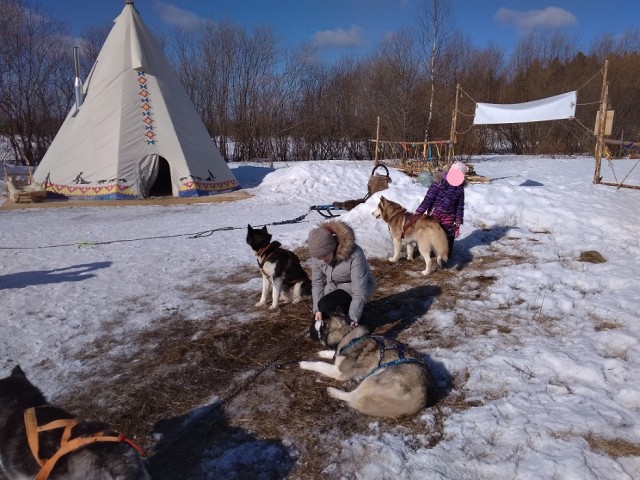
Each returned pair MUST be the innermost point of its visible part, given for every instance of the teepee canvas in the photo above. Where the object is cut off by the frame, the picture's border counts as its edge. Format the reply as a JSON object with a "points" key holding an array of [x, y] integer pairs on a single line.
{"points": [[137, 132]]}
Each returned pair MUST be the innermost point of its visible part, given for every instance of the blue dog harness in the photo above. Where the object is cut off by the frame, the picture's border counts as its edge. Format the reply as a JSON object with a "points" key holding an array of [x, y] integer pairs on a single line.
{"points": [[397, 346]]}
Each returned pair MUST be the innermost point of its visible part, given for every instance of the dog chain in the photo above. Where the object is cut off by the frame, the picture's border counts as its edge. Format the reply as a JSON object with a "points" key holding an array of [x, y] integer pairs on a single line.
{"points": [[205, 233]]}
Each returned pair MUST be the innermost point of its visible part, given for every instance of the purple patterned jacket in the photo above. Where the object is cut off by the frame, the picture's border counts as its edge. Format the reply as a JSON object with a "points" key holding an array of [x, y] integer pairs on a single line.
{"points": [[445, 203]]}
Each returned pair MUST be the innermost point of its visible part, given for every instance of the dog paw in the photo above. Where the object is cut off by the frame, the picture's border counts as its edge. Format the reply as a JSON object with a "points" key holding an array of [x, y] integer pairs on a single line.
{"points": [[393, 259], [260, 304], [273, 307], [424, 273], [305, 365]]}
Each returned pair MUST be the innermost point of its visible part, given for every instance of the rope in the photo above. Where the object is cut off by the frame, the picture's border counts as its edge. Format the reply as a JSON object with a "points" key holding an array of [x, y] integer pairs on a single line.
{"points": [[582, 125], [470, 97], [601, 71], [462, 133], [466, 114], [625, 177], [205, 233]]}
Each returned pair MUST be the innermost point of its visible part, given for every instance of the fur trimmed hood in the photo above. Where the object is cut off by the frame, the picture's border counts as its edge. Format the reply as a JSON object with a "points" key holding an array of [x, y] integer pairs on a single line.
{"points": [[345, 237]]}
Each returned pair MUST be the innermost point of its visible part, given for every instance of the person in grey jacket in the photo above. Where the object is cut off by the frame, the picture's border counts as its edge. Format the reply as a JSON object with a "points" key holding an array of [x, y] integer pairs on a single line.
{"points": [[341, 279]]}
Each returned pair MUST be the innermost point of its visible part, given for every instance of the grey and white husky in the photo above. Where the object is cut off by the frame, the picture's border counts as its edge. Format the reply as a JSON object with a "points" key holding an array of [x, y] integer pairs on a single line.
{"points": [[394, 380], [41, 441], [281, 270]]}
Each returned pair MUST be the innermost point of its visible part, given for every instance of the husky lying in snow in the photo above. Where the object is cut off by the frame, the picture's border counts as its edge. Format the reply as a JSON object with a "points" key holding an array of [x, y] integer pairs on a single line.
{"points": [[426, 231], [394, 381], [38, 440], [281, 269]]}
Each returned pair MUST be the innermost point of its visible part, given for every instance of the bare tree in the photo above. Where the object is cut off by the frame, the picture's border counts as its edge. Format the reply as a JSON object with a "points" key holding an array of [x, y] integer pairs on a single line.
{"points": [[91, 42], [34, 61], [434, 18]]}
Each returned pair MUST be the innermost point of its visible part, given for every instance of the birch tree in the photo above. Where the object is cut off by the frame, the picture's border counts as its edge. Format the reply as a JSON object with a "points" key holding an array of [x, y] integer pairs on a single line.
{"points": [[434, 19]]}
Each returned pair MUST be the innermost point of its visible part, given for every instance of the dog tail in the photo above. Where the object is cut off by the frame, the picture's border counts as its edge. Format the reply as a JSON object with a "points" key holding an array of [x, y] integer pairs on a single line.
{"points": [[440, 246]]}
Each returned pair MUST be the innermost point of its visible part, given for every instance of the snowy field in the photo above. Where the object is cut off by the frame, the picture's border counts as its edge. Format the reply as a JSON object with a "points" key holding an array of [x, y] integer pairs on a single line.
{"points": [[549, 388]]}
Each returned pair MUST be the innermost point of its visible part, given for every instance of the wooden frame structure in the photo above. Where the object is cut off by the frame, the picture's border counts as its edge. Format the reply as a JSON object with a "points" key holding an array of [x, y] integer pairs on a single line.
{"points": [[601, 132], [414, 167]]}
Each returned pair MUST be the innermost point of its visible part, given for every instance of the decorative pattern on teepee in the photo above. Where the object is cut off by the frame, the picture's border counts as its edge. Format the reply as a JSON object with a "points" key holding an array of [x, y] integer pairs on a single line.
{"points": [[145, 105]]}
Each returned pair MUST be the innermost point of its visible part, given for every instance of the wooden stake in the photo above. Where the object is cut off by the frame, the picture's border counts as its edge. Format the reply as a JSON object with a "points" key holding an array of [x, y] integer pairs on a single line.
{"points": [[601, 125], [377, 140], [454, 117]]}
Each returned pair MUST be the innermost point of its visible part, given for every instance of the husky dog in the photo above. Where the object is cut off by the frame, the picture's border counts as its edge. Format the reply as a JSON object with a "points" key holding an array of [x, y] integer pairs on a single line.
{"points": [[394, 381], [41, 441], [281, 269], [425, 231]]}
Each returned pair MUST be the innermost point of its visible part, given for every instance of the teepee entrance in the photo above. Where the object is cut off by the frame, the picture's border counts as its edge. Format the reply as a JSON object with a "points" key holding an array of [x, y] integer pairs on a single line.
{"points": [[161, 184]]}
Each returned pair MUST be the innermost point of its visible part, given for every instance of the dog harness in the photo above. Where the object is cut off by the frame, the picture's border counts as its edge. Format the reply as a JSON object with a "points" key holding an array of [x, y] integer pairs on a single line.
{"points": [[268, 252], [382, 342], [67, 444], [409, 219], [272, 248]]}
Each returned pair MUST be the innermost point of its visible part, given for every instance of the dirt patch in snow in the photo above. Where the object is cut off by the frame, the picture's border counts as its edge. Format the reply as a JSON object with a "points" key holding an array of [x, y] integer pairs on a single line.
{"points": [[232, 401]]}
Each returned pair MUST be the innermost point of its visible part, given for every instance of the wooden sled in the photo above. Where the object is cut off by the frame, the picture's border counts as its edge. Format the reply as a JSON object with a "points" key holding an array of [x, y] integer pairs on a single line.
{"points": [[376, 183], [21, 191]]}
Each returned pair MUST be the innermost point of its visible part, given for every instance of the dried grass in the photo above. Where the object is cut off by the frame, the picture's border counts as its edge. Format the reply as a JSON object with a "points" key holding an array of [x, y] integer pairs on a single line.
{"points": [[613, 447], [210, 388], [592, 256]]}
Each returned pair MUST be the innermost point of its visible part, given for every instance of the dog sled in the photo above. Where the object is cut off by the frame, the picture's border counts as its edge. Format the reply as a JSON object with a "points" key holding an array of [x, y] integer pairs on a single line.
{"points": [[376, 183], [20, 187]]}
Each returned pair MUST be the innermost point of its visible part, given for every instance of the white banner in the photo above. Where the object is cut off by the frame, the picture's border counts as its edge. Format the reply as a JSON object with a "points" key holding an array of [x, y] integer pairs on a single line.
{"points": [[553, 108]]}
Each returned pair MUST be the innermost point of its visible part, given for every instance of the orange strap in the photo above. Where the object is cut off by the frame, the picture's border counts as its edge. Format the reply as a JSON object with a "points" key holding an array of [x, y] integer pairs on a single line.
{"points": [[66, 445]]}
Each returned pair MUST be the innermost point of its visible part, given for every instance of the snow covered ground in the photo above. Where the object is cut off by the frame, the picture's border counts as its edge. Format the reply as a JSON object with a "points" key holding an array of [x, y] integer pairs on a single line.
{"points": [[543, 389]]}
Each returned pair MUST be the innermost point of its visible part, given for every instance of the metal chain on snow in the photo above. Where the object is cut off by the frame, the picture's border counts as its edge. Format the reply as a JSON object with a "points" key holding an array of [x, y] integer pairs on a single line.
{"points": [[205, 233]]}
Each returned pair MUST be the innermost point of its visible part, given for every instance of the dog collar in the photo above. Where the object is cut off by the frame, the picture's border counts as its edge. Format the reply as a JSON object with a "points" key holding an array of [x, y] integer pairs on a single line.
{"points": [[275, 246]]}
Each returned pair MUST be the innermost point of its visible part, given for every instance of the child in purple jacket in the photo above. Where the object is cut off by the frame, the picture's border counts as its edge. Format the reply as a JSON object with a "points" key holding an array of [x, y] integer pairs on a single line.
{"points": [[444, 201]]}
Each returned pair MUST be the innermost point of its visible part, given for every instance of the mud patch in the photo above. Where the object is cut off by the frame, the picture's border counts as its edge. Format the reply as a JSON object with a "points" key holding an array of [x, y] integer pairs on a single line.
{"points": [[212, 390]]}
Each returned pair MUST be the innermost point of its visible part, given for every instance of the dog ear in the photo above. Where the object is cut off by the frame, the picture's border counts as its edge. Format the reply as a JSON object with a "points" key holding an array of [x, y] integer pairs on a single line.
{"points": [[264, 229], [17, 372], [249, 227]]}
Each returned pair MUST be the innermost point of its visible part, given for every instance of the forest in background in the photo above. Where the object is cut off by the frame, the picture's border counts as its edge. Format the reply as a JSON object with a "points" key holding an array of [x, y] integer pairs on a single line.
{"points": [[260, 100]]}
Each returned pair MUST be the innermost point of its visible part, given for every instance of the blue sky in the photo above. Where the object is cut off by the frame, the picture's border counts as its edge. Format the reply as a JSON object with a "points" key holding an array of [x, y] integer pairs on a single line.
{"points": [[354, 26]]}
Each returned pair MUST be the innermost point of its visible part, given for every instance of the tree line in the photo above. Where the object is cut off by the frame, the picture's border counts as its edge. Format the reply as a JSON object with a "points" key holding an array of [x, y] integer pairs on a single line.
{"points": [[260, 100]]}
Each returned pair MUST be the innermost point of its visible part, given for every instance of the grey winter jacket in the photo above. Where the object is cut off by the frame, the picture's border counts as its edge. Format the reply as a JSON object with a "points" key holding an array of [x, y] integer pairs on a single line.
{"points": [[348, 271]]}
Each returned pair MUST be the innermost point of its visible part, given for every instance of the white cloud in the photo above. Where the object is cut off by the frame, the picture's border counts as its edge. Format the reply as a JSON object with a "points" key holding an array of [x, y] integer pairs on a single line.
{"points": [[550, 17], [354, 37], [172, 15]]}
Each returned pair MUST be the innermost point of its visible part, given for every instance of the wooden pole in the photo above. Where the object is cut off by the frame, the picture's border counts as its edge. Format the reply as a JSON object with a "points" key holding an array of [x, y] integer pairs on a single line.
{"points": [[377, 140], [454, 117], [612, 141], [601, 124]]}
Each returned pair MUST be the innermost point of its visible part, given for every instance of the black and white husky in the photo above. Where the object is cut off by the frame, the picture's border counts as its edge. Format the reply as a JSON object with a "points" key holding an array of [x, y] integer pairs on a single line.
{"points": [[281, 269], [41, 441], [393, 379]]}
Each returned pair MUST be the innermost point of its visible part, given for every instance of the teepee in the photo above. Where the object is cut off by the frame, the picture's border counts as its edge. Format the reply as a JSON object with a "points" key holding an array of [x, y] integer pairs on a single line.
{"points": [[136, 133]]}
